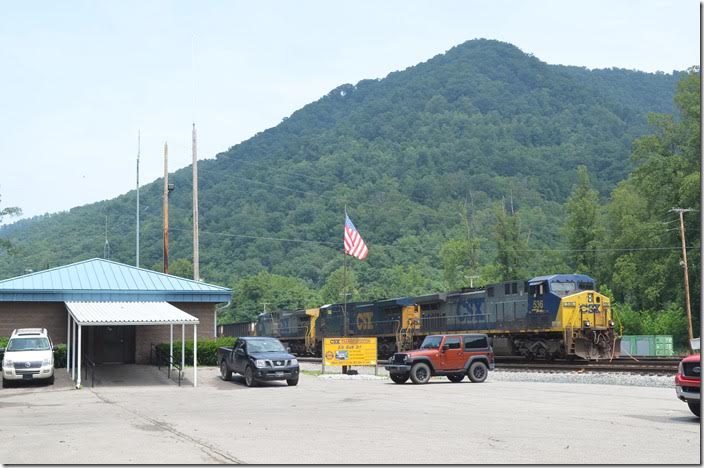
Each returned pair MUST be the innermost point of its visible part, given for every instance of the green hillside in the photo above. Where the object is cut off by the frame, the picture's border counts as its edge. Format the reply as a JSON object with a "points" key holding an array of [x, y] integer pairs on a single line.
{"points": [[421, 158]]}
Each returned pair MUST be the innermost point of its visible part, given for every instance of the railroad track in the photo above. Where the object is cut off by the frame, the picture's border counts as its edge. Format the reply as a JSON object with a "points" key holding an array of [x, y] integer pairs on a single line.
{"points": [[655, 366]]}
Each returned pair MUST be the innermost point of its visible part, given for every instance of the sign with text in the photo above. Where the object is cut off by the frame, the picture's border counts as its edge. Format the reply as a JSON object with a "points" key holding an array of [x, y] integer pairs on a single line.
{"points": [[349, 351]]}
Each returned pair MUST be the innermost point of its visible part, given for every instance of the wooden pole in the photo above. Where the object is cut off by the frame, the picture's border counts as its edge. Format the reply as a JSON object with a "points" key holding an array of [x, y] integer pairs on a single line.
{"points": [[166, 207], [686, 274]]}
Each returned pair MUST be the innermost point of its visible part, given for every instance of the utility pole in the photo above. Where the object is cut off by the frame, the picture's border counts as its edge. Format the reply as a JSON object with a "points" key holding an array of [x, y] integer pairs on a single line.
{"points": [[106, 247], [196, 253], [167, 190], [139, 147], [681, 212]]}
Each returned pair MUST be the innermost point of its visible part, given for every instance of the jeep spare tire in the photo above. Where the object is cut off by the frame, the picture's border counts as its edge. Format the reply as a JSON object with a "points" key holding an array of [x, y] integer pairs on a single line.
{"points": [[478, 372], [420, 373]]}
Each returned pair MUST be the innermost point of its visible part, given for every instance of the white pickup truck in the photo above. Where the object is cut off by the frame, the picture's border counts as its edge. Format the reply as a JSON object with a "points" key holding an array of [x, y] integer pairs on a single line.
{"points": [[29, 356]]}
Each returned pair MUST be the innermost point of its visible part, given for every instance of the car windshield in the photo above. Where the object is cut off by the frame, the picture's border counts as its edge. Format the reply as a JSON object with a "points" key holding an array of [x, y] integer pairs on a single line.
{"points": [[28, 344], [431, 342], [265, 346]]}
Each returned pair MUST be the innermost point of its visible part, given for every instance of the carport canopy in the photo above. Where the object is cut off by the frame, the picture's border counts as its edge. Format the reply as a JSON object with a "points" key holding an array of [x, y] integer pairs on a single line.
{"points": [[125, 313]]}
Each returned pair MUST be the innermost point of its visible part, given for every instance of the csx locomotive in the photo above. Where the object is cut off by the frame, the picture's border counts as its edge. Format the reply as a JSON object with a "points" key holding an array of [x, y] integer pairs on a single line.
{"points": [[542, 318]]}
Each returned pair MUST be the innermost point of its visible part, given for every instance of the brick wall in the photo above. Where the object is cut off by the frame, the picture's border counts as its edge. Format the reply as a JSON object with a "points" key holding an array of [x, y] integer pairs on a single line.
{"points": [[49, 315], [153, 334]]}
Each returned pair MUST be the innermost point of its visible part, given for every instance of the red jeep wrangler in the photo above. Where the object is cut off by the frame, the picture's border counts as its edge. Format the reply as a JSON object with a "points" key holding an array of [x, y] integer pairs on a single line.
{"points": [[688, 381], [451, 355]]}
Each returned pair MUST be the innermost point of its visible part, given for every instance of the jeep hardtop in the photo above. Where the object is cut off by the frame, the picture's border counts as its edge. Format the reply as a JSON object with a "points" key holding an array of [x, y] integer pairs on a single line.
{"points": [[453, 356]]}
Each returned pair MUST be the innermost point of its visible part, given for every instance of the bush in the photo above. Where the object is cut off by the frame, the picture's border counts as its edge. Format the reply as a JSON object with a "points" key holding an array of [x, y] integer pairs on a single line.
{"points": [[207, 350]]}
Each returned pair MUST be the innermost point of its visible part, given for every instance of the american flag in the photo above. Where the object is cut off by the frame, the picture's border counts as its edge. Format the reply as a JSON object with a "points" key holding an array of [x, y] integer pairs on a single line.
{"points": [[354, 245]]}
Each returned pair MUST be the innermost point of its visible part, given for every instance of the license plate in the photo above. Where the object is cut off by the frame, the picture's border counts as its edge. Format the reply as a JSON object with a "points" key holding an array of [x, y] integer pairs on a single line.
{"points": [[27, 376], [279, 374]]}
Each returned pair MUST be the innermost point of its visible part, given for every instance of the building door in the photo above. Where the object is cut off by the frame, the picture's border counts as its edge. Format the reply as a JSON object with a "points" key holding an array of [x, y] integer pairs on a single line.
{"points": [[113, 344]]}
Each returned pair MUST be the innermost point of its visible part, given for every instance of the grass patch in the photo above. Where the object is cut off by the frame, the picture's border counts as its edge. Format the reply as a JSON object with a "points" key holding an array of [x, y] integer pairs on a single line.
{"points": [[310, 372]]}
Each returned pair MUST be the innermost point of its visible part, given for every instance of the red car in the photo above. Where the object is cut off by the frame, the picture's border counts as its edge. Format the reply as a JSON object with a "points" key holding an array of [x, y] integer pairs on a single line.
{"points": [[688, 382]]}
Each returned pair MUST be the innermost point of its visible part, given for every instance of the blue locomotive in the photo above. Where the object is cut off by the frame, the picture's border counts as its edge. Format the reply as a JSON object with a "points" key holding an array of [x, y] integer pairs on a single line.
{"points": [[545, 317]]}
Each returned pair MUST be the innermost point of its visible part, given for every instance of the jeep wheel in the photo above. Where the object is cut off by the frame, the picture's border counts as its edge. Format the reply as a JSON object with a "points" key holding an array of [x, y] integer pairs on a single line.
{"points": [[420, 373], [694, 407], [249, 377], [478, 372], [399, 378], [456, 378], [225, 373]]}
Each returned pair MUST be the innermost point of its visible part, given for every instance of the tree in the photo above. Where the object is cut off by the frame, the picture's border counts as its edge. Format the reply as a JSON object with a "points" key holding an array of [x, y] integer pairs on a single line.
{"points": [[6, 245], [511, 255], [335, 286], [644, 269], [582, 228], [182, 267]]}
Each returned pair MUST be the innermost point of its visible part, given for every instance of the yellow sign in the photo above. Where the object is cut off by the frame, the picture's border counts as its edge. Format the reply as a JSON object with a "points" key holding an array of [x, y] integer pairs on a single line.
{"points": [[349, 351]]}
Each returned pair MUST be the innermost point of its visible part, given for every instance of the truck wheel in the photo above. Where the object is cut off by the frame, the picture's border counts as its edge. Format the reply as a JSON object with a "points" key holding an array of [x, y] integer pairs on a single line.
{"points": [[456, 378], [6, 383], [50, 380], [478, 372], [292, 382], [399, 378], [249, 377], [225, 373], [694, 407], [420, 373]]}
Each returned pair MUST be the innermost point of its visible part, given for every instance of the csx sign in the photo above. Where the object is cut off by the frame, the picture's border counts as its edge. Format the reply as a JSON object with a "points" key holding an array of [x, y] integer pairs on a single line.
{"points": [[364, 321]]}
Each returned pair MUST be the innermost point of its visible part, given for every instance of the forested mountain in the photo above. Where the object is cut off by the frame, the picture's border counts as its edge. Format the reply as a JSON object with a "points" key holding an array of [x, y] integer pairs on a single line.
{"points": [[428, 160]]}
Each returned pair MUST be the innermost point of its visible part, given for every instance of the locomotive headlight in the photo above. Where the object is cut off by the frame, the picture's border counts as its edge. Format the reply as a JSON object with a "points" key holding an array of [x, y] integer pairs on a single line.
{"points": [[260, 363], [587, 324], [611, 323]]}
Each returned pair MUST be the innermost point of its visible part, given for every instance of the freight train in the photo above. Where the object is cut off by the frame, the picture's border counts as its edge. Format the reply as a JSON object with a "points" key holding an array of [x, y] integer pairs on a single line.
{"points": [[545, 317]]}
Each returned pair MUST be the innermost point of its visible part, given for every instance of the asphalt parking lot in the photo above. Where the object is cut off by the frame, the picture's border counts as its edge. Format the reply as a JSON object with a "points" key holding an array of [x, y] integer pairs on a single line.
{"points": [[338, 420]]}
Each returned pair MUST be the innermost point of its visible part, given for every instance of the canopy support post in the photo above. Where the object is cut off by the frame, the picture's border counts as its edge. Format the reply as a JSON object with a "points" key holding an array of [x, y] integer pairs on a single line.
{"points": [[171, 348], [183, 346], [78, 381], [195, 355], [68, 342], [73, 353]]}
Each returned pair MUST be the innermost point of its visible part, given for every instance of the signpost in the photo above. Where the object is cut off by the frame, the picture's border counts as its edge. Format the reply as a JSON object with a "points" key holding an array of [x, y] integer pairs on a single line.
{"points": [[358, 351]]}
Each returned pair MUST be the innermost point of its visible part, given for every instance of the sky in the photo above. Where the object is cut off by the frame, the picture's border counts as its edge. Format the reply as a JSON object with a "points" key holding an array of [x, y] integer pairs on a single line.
{"points": [[80, 79]]}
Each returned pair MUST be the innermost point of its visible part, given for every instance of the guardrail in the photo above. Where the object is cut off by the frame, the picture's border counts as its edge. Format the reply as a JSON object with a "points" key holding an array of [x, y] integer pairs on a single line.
{"points": [[165, 359], [89, 365]]}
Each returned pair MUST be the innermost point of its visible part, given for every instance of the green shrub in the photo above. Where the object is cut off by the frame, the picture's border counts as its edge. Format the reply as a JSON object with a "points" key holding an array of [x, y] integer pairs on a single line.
{"points": [[60, 356], [207, 350]]}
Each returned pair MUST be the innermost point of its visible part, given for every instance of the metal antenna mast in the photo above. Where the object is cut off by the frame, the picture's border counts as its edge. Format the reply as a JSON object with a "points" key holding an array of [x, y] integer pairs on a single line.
{"points": [[196, 240], [139, 148], [196, 253]]}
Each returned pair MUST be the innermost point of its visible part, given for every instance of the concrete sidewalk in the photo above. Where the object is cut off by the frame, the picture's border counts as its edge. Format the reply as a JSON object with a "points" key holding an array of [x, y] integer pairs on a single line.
{"points": [[375, 420]]}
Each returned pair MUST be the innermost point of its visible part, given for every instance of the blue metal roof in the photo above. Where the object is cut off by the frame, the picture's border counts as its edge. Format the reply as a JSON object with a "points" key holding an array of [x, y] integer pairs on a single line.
{"points": [[104, 280], [561, 277]]}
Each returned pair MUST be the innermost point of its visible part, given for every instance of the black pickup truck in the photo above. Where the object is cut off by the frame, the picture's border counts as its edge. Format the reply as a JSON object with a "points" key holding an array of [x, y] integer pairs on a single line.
{"points": [[258, 359]]}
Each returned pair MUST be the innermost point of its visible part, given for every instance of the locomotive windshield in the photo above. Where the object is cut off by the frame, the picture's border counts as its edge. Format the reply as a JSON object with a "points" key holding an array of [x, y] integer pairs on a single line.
{"points": [[431, 342]]}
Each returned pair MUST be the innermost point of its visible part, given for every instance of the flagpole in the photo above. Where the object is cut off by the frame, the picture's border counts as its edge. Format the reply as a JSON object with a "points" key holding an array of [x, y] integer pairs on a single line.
{"points": [[344, 284]]}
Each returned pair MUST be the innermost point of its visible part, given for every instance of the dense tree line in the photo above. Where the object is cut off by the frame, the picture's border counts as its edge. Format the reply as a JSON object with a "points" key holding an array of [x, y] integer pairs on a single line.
{"points": [[479, 164]]}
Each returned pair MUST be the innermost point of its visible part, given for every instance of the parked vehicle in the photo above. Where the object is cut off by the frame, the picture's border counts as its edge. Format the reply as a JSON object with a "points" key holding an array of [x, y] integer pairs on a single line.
{"points": [[688, 382], [258, 359], [451, 355], [29, 356]]}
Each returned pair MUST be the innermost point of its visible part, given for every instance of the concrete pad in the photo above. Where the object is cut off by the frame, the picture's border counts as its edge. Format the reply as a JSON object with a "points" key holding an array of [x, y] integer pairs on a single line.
{"points": [[332, 421]]}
